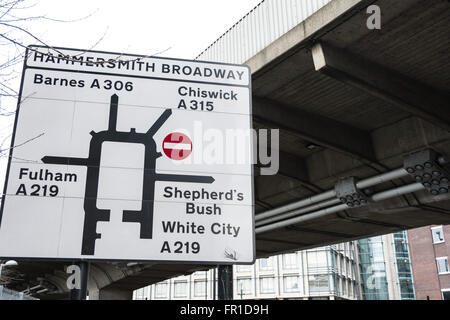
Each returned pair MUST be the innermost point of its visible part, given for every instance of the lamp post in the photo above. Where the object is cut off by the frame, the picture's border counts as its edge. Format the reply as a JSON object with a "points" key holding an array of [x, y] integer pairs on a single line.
{"points": [[10, 263]]}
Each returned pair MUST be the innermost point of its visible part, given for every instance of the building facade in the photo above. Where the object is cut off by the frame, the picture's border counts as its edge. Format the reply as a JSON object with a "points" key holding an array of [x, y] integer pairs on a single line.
{"points": [[385, 268], [430, 249], [377, 268], [327, 273]]}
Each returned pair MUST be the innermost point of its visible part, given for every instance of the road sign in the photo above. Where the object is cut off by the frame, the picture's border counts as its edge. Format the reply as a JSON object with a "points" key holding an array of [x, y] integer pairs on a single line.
{"points": [[125, 157], [177, 146]]}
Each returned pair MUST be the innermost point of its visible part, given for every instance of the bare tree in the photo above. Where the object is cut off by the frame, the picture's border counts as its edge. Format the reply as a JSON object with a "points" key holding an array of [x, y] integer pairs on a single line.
{"points": [[16, 32]]}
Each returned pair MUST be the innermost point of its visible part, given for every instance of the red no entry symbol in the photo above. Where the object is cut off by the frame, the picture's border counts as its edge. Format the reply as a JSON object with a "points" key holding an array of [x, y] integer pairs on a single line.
{"points": [[177, 146]]}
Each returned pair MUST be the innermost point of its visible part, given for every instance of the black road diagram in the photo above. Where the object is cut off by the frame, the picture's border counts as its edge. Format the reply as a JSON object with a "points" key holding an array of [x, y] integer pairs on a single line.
{"points": [[144, 217]]}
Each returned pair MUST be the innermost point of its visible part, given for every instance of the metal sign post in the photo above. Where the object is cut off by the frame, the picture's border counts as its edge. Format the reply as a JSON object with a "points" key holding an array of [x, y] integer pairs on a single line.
{"points": [[225, 283], [81, 294]]}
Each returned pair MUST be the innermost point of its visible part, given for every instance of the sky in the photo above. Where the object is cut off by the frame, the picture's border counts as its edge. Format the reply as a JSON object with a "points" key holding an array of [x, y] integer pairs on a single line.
{"points": [[141, 27], [169, 28]]}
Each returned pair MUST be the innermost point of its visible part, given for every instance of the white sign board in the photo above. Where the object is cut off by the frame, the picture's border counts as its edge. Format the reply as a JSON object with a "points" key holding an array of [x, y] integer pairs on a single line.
{"points": [[124, 157]]}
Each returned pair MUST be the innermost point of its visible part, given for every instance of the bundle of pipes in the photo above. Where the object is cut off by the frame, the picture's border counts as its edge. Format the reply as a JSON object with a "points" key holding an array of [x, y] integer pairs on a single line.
{"points": [[327, 203]]}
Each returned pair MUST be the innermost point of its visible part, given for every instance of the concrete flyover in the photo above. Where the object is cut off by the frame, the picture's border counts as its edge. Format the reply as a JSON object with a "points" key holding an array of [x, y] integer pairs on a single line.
{"points": [[349, 102]]}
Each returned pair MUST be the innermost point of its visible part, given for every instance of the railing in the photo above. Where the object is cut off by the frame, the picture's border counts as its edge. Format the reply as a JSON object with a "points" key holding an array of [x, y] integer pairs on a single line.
{"points": [[8, 294], [268, 21]]}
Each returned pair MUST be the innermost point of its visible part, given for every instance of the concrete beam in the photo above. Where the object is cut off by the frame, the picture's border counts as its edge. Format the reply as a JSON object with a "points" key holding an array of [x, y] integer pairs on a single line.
{"points": [[327, 18], [408, 94], [289, 166], [113, 294], [317, 129], [293, 167]]}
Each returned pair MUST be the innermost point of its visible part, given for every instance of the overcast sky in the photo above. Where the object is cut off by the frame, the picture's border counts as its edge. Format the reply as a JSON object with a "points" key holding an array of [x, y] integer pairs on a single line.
{"points": [[177, 28], [142, 27]]}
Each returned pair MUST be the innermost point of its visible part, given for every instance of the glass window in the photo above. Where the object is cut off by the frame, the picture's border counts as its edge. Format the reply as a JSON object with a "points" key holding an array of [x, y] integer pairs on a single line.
{"points": [[199, 288], [344, 287], [244, 286], [349, 268], [318, 283], [267, 285], [438, 235], [406, 289], [338, 283], [161, 290], [266, 264], [290, 261], [246, 268], [291, 284], [180, 288], [317, 259], [442, 265], [446, 294], [140, 294]]}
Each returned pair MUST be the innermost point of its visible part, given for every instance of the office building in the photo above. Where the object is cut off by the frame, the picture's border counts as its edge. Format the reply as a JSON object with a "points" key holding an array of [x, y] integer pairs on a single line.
{"points": [[430, 249]]}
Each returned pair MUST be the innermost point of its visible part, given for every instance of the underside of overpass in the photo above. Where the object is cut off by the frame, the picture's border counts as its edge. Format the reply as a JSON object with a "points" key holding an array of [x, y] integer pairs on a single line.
{"points": [[349, 102]]}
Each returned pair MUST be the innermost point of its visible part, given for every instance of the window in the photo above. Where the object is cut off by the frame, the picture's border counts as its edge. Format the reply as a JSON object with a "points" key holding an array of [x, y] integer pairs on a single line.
{"points": [[349, 288], [446, 294], [161, 290], [291, 284], [199, 288], [267, 285], [349, 270], [180, 288], [342, 265], [442, 265], [290, 261], [265, 264], [319, 283], [140, 294], [438, 234], [241, 268], [344, 287], [317, 259], [341, 286], [244, 286]]}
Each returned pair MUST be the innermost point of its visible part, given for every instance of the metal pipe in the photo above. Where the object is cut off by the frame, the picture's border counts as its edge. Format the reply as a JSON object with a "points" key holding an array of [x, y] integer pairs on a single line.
{"points": [[294, 213], [314, 215], [306, 217], [365, 183], [392, 175], [397, 192], [299, 204]]}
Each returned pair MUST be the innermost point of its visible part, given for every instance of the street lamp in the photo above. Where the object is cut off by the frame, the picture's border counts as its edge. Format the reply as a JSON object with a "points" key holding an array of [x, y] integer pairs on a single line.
{"points": [[10, 263]]}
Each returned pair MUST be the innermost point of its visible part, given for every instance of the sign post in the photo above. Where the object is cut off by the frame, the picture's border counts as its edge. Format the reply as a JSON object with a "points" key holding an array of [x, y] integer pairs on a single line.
{"points": [[81, 294], [119, 157], [225, 286]]}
